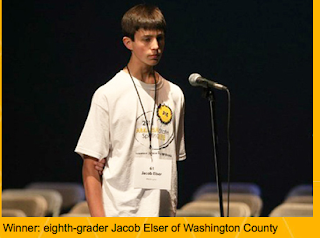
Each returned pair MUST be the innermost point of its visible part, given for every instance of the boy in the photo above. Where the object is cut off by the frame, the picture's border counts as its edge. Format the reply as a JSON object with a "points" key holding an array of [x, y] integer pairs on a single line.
{"points": [[135, 122]]}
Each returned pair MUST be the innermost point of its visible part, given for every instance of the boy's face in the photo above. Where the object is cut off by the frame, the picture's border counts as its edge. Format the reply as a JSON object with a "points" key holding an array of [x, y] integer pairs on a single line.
{"points": [[147, 47]]}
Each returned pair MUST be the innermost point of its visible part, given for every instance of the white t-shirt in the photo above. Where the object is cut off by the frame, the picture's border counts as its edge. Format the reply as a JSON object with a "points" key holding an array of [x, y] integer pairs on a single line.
{"points": [[116, 130]]}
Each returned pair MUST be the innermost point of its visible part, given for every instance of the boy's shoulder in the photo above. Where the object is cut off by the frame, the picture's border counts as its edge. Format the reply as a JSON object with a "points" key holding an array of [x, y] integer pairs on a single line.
{"points": [[173, 86], [111, 88], [116, 82]]}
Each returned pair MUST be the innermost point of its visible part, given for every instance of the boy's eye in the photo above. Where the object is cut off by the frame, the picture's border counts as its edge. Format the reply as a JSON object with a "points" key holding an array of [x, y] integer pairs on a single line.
{"points": [[160, 38]]}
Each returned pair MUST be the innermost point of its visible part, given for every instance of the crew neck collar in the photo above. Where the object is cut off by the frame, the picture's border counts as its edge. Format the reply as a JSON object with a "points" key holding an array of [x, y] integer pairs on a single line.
{"points": [[139, 83]]}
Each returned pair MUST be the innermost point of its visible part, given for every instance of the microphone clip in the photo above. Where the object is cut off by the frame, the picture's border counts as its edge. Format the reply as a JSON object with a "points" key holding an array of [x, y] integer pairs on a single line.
{"points": [[208, 93]]}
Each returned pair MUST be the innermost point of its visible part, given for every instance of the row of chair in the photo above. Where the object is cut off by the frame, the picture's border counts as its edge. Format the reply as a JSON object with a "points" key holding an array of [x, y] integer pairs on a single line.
{"points": [[67, 199], [41, 199], [297, 203], [245, 200]]}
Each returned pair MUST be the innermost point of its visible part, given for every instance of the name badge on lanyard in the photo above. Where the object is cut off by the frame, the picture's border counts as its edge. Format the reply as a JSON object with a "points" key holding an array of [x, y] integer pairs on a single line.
{"points": [[152, 173]]}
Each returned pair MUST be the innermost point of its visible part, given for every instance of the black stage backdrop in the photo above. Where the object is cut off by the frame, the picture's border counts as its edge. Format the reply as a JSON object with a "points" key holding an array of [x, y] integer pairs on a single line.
{"points": [[57, 53]]}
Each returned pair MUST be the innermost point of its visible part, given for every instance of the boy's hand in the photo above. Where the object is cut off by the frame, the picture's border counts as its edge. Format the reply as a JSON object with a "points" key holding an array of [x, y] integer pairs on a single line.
{"points": [[99, 165]]}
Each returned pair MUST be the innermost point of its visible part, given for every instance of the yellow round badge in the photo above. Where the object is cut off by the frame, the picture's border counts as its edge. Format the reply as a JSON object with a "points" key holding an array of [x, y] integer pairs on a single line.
{"points": [[165, 114]]}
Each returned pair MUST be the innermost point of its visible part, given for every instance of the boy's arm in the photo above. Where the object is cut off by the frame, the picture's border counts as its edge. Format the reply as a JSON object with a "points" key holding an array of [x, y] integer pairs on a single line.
{"points": [[92, 186]]}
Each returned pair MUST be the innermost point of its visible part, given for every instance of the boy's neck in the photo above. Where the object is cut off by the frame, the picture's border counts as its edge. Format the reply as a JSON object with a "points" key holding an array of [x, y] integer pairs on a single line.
{"points": [[143, 73]]}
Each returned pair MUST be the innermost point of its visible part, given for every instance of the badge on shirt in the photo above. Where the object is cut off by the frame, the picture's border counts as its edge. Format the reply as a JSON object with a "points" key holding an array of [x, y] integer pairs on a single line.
{"points": [[152, 173]]}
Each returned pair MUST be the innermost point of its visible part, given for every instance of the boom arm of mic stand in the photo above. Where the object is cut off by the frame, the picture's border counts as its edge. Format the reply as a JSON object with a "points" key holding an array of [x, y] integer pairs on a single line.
{"points": [[209, 94]]}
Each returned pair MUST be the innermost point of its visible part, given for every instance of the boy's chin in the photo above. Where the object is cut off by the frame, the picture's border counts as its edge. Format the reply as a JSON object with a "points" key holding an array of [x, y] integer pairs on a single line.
{"points": [[154, 63]]}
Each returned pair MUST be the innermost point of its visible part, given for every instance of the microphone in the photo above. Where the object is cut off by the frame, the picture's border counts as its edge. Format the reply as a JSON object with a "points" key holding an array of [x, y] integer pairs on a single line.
{"points": [[197, 80]]}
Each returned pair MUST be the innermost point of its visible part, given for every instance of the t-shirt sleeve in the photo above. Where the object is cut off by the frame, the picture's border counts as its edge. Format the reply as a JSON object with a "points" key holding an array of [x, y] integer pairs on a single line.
{"points": [[94, 138], [181, 141]]}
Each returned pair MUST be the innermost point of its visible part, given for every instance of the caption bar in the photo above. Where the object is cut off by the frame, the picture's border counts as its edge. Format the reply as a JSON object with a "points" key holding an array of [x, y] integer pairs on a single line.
{"points": [[135, 228]]}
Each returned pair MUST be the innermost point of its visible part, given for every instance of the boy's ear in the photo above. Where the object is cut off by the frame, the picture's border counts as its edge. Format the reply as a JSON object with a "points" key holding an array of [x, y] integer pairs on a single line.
{"points": [[127, 42]]}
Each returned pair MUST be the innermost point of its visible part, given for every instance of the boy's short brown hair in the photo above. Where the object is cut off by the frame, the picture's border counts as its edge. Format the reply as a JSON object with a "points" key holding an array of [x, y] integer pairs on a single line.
{"points": [[143, 16]]}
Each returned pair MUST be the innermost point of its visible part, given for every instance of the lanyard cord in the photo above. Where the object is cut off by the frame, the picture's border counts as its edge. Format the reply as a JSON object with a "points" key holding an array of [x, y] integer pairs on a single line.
{"points": [[144, 113]]}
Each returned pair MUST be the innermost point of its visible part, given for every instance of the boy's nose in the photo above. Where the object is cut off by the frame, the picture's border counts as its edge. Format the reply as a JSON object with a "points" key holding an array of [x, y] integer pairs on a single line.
{"points": [[155, 44]]}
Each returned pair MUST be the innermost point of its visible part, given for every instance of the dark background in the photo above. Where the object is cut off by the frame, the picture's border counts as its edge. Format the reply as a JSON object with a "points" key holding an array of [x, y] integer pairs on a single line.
{"points": [[57, 53]]}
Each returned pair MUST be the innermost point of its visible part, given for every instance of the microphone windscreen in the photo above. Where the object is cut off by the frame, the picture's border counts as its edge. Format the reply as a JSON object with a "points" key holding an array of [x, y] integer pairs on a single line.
{"points": [[193, 79]]}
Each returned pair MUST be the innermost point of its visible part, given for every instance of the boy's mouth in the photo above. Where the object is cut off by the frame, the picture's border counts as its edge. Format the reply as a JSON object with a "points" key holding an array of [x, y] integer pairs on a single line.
{"points": [[154, 56]]}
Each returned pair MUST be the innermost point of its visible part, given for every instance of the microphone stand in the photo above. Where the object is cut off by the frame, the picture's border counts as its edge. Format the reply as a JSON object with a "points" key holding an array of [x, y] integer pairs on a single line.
{"points": [[209, 94]]}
